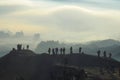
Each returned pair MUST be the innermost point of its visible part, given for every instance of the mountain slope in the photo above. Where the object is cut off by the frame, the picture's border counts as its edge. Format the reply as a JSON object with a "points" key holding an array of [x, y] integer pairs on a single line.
{"points": [[33, 66]]}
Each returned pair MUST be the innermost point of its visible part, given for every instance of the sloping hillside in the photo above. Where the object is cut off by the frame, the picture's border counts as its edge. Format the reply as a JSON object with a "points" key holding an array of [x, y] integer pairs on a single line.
{"points": [[33, 66]]}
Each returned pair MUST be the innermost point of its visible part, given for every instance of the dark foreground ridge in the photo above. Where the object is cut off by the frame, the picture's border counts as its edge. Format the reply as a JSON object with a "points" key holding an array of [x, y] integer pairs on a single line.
{"points": [[24, 64]]}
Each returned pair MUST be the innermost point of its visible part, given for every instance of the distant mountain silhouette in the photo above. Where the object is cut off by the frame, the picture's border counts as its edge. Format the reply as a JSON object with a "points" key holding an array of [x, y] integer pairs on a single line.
{"points": [[105, 43], [31, 66]]}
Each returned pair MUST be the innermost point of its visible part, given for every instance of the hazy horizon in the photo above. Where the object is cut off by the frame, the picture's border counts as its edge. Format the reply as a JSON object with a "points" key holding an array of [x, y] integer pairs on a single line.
{"points": [[63, 20]]}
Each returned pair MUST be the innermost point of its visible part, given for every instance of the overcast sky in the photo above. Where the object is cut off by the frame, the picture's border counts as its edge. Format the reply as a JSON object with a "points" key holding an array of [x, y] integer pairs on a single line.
{"points": [[64, 20]]}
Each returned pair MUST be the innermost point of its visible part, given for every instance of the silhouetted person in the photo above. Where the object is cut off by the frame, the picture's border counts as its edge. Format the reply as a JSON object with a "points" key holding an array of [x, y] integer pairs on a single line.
{"points": [[27, 47], [53, 51], [80, 49], [98, 53], [56, 50], [110, 55], [13, 49], [71, 50], [104, 54], [63, 50], [19, 47], [49, 50]]}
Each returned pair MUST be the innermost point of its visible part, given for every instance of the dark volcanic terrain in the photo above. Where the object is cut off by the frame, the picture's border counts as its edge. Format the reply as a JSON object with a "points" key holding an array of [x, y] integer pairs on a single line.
{"points": [[31, 66]]}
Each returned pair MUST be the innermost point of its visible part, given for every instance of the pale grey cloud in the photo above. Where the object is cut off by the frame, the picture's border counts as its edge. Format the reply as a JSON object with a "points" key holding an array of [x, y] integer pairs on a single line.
{"points": [[7, 9], [63, 21], [69, 23], [109, 4]]}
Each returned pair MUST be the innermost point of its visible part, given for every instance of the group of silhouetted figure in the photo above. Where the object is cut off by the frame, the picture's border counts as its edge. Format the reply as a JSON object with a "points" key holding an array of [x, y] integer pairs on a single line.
{"points": [[104, 54], [20, 47], [62, 50], [56, 50]]}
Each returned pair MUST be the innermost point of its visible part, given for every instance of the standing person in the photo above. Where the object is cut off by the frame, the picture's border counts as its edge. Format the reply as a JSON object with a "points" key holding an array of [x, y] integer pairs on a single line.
{"points": [[110, 55], [98, 52], [49, 50], [61, 50], [56, 49], [104, 53], [71, 50], [27, 47], [53, 51], [80, 49]]}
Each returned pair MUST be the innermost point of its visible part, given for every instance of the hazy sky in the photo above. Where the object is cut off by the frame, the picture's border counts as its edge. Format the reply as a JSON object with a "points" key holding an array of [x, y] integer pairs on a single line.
{"points": [[64, 20]]}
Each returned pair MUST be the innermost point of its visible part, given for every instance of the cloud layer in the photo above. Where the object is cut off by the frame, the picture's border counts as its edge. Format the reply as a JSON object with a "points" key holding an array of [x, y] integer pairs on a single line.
{"points": [[61, 21]]}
